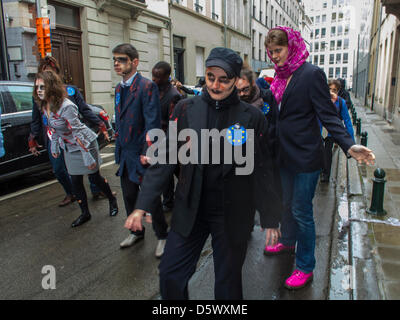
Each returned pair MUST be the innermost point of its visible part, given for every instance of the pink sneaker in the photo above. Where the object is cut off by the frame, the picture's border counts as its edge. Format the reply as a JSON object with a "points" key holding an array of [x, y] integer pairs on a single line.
{"points": [[298, 280], [277, 249]]}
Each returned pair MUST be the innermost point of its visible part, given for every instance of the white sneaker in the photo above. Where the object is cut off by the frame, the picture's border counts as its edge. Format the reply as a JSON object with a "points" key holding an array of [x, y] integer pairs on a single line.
{"points": [[160, 248], [132, 238]]}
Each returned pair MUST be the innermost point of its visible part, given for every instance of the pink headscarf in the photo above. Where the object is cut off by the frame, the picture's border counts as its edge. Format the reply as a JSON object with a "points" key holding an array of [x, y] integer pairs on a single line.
{"points": [[298, 54]]}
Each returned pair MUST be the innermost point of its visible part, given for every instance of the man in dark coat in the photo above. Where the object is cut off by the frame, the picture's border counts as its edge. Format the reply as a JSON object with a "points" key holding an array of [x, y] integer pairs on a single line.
{"points": [[343, 93], [137, 110], [169, 97], [213, 198], [248, 90]]}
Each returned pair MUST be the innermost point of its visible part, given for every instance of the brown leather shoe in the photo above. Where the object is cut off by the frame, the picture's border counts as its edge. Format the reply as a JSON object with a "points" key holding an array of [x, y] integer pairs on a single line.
{"points": [[67, 200]]}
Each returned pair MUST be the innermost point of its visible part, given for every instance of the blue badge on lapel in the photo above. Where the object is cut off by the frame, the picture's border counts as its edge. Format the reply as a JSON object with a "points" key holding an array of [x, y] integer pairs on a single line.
{"points": [[265, 109], [117, 98], [70, 91], [236, 135]]}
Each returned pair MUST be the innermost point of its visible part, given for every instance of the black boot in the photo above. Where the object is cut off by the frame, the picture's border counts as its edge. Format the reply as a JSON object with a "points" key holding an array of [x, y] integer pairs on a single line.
{"points": [[84, 217], [113, 207]]}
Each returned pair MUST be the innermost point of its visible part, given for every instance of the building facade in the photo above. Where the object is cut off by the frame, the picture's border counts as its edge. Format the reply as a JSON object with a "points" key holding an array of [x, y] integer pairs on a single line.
{"points": [[200, 25], [361, 67], [383, 95], [83, 35], [334, 37]]}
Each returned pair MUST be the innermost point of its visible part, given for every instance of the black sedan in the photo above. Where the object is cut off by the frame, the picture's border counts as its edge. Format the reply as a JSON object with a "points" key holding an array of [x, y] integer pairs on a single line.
{"points": [[16, 116]]}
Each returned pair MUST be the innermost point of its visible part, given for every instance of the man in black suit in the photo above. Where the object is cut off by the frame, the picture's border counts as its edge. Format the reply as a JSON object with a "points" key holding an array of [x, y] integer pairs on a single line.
{"points": [[169, 97], [213, 198]]}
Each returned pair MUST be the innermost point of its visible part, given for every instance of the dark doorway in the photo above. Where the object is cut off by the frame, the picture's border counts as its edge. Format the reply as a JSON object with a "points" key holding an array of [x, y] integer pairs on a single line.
{"points": [[67, 45], [178, 64]]}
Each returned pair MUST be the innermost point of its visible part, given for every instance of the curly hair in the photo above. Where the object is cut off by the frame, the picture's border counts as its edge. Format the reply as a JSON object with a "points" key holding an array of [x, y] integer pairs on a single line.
{"points": [[50, 62], [54, 90]]}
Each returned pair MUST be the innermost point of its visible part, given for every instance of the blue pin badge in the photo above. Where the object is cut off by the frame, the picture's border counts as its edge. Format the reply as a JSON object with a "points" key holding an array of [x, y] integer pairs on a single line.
{"points": [[236, 135], [117, 98], [265, 109], [70, 91]]}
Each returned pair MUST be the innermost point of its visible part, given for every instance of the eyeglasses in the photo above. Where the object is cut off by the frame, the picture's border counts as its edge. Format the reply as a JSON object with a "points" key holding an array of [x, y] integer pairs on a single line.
{"points": [[244, 90], [120, 59]]}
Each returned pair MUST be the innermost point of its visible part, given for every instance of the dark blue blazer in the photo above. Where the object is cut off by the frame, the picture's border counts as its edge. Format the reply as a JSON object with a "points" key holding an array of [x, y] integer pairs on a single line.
{"points": [[139, 113], [296, 133]]}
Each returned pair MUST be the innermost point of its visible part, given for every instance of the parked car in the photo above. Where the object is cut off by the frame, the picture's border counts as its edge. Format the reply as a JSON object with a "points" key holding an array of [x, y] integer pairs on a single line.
{"points": [[16, 106]]}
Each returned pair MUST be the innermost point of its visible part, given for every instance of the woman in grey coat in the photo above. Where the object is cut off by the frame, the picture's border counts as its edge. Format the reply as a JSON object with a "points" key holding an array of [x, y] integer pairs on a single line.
{"points": [[81, 151]]}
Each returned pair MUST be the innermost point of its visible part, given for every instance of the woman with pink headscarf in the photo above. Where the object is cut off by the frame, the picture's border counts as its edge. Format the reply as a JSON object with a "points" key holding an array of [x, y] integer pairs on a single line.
{"points": [[300, 96]]}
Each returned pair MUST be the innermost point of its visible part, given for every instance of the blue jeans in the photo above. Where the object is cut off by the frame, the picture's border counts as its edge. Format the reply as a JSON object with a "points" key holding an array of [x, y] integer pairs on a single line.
{"points": [[297, 225], [60, 170]]}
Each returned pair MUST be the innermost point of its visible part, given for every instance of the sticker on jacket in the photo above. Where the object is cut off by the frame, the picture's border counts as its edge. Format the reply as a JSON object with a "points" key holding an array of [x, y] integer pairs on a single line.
{"points": [[265, 109], [70, 91], [236, 135]]}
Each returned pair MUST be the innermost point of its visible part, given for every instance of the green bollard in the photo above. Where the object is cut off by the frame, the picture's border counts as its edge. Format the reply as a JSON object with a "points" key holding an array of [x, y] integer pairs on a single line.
{"points": [[378, 193], [355, 118], [364, 138], [358, 123]]}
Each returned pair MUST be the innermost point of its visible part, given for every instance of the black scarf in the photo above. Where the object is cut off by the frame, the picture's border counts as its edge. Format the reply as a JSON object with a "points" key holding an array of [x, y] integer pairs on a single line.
{"points": [[232, 99]]}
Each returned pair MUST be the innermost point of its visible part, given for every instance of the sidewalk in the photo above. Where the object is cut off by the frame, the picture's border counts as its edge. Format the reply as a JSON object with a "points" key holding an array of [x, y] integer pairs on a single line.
{"points": [[375, 241]]}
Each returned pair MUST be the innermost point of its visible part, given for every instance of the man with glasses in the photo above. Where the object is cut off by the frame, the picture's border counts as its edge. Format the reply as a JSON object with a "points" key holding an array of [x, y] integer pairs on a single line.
{"points": [[248, 90], [137, 110]]}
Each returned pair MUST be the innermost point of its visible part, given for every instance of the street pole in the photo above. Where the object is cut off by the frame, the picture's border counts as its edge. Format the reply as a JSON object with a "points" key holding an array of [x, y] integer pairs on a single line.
{"points": [[358, 57], [377, 56], [224, 9]]}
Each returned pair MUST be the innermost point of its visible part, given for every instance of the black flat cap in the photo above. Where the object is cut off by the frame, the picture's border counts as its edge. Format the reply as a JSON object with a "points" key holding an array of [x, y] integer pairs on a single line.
{"points": [[226, 59]]}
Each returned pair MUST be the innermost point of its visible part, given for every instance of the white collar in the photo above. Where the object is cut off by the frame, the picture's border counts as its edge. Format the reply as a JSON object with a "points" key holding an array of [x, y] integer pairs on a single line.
{"points": [[128, 82]]}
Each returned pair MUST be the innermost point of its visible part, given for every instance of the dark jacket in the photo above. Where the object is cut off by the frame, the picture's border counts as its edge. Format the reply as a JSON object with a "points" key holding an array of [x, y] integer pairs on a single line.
{"points": [[296, 131], [38, 129], [343, 93], [242, 194], [134, 117], [169, 97]]}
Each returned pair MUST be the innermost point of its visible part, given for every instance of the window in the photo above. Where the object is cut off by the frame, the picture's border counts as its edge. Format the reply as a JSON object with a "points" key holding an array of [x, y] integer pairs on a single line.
{"points": [[322, 59], [316, 60], [333, 31], [323, 32], [339, 45], [332, 48], [346, 44], [334, 17], [331, 59], [339, 30], [345, 58], [338, 58], [316, 46], [17, 98], [199, 62], [337, 73], [331, 73], [344, 72], [317, 19], [316, 33]]}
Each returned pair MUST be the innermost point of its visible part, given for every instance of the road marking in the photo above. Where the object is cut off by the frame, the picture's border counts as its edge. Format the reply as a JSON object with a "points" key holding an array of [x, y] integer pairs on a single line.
{"points": [[42, 185]]}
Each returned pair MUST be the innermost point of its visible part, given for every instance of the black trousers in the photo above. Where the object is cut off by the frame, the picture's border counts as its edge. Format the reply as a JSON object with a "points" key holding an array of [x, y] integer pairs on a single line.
{"points": [[181, 255], [168, 194], [130, 192], [328, 146]]}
